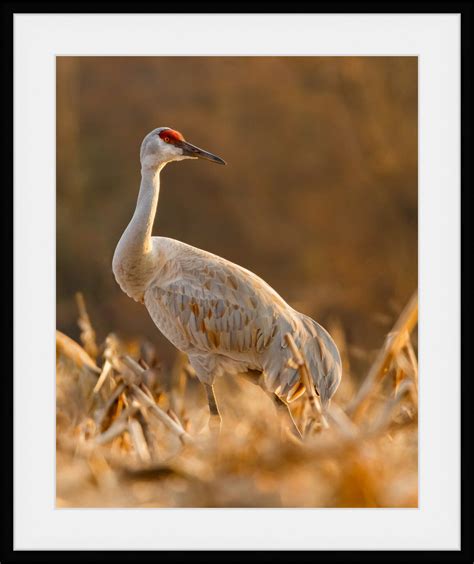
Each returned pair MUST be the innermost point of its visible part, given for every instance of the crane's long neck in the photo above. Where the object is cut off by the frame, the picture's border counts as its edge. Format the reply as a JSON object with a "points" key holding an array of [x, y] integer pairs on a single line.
{"points": [[134, 262], [140, 227]]}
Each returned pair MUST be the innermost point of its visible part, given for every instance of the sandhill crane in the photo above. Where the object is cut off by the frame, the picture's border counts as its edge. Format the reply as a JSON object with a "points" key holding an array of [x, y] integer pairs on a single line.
{"points": [[224, 317]]}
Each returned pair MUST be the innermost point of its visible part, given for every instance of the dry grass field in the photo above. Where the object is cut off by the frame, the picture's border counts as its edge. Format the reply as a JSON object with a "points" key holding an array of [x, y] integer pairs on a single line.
{"points": [[132, 434]]}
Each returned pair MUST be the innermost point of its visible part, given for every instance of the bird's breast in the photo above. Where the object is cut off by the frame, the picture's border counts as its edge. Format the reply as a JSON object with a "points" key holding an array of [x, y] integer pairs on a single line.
{"points": [[133, 275]]}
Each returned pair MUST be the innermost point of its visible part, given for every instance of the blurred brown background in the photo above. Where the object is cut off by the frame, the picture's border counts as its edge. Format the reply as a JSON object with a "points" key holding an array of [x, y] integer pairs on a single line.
{"points": [[319, 196]]}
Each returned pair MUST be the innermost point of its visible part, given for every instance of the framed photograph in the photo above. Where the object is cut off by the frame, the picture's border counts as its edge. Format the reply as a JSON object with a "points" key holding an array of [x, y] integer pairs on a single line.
{"points": [[258, 349]]}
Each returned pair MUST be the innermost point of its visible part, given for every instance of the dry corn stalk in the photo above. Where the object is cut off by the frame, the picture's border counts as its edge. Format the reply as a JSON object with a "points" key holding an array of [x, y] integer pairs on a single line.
{"points": [[88, 336], [395, 341], [147, 401], [69, 348]]}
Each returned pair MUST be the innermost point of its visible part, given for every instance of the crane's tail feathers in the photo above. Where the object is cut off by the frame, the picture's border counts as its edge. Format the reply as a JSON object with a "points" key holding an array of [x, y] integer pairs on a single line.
{"points": [[324, 360], [281, 375]]}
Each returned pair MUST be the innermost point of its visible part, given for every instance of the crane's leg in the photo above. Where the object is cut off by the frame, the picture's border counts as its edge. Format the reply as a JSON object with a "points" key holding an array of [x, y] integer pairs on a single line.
{"points": [[205, 372], [256, 377], [284, 409], [215, 417]]}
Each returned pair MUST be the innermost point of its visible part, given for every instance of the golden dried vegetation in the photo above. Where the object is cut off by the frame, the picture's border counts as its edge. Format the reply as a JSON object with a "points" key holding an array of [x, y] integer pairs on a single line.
{"points": [[132, 434]]}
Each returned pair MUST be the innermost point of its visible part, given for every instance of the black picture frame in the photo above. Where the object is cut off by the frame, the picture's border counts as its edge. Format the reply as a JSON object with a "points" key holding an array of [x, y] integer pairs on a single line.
{"points": [[465, 554]]}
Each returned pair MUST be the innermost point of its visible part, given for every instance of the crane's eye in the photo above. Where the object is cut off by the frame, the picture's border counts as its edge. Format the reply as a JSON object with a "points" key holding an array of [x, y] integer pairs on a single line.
{"points": [[167, 139]]}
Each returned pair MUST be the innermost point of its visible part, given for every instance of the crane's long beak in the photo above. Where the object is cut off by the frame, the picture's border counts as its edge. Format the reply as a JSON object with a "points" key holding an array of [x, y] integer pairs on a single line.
{"points": [[193, 151]]}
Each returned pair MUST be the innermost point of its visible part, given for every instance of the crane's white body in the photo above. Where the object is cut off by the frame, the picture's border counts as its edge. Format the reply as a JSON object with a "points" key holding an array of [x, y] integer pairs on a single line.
{"points": [[224, 317]]}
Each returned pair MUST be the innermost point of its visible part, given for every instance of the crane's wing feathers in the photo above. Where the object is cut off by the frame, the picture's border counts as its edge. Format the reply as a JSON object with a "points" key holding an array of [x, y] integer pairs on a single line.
{"points": [[215, 311], [212, 305]]}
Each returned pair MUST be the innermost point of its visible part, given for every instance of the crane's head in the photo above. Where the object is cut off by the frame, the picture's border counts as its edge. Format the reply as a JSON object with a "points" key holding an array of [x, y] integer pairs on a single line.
{"points": [[164, 145]]}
